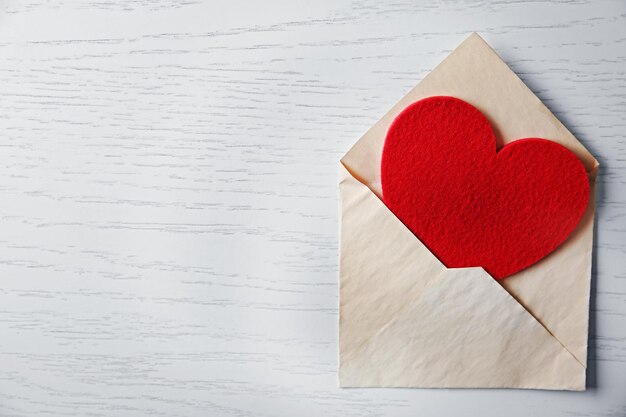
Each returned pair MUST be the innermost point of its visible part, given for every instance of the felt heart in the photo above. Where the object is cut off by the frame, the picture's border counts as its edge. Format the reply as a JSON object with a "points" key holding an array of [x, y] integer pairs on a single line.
{"points": [[470, 204]]}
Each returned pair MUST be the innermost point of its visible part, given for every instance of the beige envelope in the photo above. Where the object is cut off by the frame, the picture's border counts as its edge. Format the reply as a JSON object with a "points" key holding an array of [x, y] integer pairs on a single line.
{"points": [[408, 321]]}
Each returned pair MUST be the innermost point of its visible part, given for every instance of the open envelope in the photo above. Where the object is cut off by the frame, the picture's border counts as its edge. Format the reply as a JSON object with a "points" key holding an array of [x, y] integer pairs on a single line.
{"points": [[408, 321]]}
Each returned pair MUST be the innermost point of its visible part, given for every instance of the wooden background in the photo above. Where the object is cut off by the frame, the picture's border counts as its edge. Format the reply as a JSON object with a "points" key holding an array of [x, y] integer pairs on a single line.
{"points": [[168, 209]]}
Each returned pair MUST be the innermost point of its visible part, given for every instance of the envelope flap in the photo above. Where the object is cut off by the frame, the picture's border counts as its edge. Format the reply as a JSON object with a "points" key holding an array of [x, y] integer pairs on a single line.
{"points": [[475, 73], [470, 333]]}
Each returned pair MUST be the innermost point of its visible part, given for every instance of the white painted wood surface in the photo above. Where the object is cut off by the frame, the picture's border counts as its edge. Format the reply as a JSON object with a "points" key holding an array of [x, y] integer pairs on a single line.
{"points": [[168, 209]]}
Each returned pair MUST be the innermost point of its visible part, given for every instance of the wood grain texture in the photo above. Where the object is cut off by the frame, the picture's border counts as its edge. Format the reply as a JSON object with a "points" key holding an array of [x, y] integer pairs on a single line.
{"points": [[168, 216]]}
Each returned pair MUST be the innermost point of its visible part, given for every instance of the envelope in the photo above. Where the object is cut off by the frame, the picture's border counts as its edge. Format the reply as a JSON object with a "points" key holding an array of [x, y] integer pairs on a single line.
{"points": [[408, 321]]}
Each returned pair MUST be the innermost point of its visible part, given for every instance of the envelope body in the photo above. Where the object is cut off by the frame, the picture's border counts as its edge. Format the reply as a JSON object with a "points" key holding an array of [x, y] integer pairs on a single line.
{"points": [[408, 321]]}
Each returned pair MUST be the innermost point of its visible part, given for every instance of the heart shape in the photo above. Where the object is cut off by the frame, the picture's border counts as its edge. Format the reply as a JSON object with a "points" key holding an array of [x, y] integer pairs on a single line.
{"points": [[470, 204]]}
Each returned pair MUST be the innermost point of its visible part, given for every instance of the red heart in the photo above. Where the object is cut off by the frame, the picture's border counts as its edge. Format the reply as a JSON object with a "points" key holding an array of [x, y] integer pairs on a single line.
{"points": [[470, 204]]}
